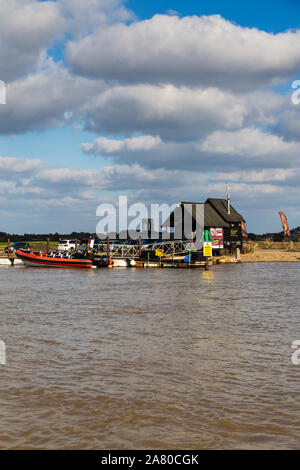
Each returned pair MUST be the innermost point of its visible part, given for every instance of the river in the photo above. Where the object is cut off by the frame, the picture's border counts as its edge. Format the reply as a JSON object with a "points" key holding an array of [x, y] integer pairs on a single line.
{"points": [[150, 359]]}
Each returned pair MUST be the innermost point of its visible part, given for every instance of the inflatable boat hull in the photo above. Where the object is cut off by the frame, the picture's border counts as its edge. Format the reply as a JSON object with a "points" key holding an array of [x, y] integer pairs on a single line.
{"points": [[44, 261]]}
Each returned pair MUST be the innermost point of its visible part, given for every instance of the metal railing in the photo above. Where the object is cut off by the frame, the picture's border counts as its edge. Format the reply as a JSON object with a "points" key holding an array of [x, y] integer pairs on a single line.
{"points": [[133, 251]]}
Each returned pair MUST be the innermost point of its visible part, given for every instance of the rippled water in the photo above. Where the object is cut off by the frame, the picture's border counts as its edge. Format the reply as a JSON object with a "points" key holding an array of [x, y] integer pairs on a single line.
{"points": [[148, 358]]}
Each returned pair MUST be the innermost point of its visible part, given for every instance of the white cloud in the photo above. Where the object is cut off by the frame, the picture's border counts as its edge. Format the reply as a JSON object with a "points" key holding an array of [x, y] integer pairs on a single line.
{"points": [[92, 15], [206, 50], [64, 193], [44, 99], [167, 111], [11, 167], [182, 94], [104, 146], [244, 148], [27, 29], [252, 144], [256, 176]]}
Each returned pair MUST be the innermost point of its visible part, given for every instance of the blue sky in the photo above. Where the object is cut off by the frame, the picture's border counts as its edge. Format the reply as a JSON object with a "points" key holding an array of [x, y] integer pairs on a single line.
{"points": [[162, 101], [269, 15]]}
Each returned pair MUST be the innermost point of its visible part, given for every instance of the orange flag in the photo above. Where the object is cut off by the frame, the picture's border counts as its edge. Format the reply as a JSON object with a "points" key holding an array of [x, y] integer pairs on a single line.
{"points": [[285, 224], [244, 230]]}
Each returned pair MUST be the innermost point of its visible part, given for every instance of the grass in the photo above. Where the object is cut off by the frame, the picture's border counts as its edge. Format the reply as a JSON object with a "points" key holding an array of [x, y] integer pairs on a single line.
{"points": [[31, 243]]}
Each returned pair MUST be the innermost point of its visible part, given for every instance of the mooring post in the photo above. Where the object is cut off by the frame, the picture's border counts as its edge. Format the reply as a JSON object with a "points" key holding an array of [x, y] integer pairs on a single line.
{"points": [[8, 243], [140, 247], [206, 263], [76, 243], [48, 245], [107, 248]]}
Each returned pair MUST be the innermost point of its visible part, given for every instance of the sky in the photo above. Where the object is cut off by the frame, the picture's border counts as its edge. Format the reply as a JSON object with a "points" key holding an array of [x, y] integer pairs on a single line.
{"points": [[161, 101]]}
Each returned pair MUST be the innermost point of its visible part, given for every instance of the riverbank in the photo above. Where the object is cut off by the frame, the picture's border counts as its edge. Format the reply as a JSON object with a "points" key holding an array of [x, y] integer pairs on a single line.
{"points": [[261, 252], [268, 252], [271, 256]]}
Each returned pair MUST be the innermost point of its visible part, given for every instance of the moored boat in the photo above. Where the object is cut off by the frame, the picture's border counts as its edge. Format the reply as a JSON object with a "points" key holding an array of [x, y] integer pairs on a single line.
{"points": [[43, 260]]}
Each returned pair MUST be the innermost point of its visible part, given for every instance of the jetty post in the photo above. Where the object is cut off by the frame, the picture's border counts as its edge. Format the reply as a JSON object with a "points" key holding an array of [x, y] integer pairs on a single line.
{"points": [[140, 247], [8, 243], [76, 243], [107, 248], [48, 244]]}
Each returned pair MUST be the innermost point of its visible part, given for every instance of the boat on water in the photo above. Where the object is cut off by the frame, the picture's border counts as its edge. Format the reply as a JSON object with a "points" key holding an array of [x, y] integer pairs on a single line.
{"points": [[43, 260]]}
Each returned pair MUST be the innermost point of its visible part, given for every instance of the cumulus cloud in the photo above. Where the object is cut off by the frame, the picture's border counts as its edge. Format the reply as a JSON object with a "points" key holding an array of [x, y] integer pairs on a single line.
{"points": [[76, 182], [91, 15], [168, 111], [105, 146], [52, 96], [27, 29], [263, 149], [288, 122], [147, 151], [205, 50], [11, 167], [179, 113], [47, 98], [244, 148], [124, 177], [64, 193], [186, 103], [253, 176]]}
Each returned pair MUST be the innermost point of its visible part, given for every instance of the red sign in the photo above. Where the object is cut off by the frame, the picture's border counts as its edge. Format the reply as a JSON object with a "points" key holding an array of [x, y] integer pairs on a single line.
{"points": [[218, 238]]}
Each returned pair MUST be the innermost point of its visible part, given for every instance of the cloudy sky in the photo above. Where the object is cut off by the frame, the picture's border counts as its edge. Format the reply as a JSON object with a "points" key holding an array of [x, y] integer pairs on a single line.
{"points": [[161, 101]]}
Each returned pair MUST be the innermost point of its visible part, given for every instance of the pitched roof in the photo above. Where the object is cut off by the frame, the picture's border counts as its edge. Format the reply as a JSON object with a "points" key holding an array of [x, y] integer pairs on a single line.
{"points": [[211, 216], [220, 205]]}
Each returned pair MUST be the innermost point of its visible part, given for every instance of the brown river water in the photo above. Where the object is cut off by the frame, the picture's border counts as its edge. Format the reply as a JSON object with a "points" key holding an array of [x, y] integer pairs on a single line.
{"points": [[150, 359]]}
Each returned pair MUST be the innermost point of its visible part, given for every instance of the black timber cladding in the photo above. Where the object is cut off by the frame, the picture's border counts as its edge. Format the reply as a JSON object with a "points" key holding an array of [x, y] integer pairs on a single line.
{"points": [[215, 216]]}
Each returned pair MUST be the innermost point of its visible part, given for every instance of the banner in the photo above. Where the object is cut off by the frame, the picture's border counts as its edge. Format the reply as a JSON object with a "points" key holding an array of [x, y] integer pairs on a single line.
{"points": [[285, 224], [244, 230]]}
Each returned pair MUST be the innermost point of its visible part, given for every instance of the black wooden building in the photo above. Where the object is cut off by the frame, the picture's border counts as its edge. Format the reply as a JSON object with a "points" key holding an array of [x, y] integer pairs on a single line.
{"points": [[217, 215]]}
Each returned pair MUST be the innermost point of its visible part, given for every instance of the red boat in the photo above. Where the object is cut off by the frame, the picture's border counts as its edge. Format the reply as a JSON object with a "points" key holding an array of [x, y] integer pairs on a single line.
{"points": [[43, 260]]}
